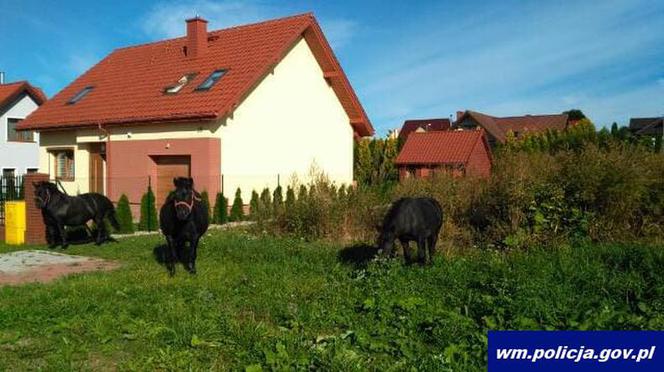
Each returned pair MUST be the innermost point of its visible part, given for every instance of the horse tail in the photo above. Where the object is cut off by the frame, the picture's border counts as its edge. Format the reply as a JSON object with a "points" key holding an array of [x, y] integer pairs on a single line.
{"points": [[114, 219], [110, 213]]}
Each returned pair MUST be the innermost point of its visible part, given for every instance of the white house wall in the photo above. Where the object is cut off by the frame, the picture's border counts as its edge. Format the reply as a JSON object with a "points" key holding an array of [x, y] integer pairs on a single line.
{"points": [[292, 121], [50, 141], [18, 155]]}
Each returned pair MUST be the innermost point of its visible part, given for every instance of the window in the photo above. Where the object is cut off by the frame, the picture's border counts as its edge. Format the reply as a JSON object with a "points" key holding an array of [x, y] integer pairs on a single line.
{"points": [[180, 84], [8, 172], [64, 164], [31, 170], [79, 96], [18, 136], [211, 80]]}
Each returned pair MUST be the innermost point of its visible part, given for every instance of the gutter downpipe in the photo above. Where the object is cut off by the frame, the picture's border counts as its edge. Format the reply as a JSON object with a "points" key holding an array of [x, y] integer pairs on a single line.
{"points": [[108, 158]]}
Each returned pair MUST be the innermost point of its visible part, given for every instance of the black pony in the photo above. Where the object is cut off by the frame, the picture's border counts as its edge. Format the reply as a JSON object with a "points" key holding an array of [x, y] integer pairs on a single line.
{"points": [[60, 210], [183, 218], [418, 219]]}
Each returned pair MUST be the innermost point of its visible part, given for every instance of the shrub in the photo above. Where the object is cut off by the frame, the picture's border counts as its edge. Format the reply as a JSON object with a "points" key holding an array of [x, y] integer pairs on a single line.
{"points": [[237, 212], [302, 194], [220, 209], [277, 200], [290, 198], [254, 205], [605, 191], [123, 213], [205, 199], [148, 220]]}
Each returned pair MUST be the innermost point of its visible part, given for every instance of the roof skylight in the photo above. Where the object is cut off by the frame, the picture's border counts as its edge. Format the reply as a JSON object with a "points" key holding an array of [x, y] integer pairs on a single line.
{"points": [[184, 80], [79, 96], [211, 80]]}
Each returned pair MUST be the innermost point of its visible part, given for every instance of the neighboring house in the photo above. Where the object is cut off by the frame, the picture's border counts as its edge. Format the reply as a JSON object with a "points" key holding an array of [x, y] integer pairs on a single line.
{"points": [[647, 126], [247, 106], [497, 129], [461, 152], [19, 151], [422, 125]]}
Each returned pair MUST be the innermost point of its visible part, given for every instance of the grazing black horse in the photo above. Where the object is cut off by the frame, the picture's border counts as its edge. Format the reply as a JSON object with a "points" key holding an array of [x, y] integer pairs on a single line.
{"points": [[183, 218], [60, 210], [412, 219]]}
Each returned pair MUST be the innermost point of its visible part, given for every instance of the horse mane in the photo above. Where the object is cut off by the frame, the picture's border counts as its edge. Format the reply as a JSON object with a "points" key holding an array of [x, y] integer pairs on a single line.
{"points": [[49, 186]]}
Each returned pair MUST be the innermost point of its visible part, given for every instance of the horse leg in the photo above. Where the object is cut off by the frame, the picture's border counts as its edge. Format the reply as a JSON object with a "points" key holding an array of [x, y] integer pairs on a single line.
{"points": [[63, 235], [406, 252], [421, 250], [101, 230], [52, 236], [171, 255], [432, 247], [193, 247]]}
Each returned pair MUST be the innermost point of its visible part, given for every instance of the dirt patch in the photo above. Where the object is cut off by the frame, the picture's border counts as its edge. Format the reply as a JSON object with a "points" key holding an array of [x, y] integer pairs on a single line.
{"points": [[43, 266]]}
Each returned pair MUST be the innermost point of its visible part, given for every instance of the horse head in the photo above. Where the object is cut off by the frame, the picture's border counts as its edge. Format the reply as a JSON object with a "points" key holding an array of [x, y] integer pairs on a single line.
{"points": [[44, 191], [184, 197]]}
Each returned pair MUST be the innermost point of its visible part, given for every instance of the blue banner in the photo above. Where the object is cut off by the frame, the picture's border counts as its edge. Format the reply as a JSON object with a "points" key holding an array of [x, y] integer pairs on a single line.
{"points": [[576, 351]]}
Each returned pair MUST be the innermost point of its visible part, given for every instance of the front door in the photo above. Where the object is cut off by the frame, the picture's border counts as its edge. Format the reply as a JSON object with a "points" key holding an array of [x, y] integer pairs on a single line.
{"points": [[96, 167], [169, 167]]}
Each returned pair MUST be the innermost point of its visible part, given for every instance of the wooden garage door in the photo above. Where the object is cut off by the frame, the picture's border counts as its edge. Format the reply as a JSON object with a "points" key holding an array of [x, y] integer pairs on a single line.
{"points": [[169, 167]]}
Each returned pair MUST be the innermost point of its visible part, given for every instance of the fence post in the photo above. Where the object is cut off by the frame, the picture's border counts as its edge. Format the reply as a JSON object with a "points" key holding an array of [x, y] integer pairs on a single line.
{"points": [[35, 230]]}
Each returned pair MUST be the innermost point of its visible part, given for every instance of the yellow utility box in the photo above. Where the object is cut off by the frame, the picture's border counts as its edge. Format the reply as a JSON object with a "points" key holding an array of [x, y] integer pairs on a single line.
{"points": [[15, 222]]}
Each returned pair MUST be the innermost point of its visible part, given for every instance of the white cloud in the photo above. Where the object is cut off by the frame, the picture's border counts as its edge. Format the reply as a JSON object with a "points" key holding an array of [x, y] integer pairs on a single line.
{"points": [[544, 58], [166, 19]]}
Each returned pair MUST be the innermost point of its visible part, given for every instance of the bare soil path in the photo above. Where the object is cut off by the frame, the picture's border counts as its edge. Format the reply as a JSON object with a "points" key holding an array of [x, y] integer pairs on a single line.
{"points": [[43, 266]]}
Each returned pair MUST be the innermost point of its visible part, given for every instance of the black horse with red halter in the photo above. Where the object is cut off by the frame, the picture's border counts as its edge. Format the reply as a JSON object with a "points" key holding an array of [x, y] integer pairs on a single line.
{"points": [[183, 219]]}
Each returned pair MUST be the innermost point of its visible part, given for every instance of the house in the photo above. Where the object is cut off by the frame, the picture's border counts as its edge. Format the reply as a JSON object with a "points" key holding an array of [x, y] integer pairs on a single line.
{"points": [[422, 125], [19, 151], [647, 126], [497, 128], [460, 152], [248, 106]]}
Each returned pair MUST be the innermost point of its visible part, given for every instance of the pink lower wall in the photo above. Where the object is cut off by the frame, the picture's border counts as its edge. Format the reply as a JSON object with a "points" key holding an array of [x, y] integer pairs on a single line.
{"points": [[130, 165]]}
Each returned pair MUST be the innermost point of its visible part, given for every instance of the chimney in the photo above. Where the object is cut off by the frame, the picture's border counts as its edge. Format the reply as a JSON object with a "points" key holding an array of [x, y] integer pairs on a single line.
{"points": [[196, 37], [459, 114], [2, 77]]}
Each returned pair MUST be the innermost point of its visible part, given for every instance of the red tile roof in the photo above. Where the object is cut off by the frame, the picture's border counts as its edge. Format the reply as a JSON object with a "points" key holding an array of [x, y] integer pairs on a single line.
{"points": [[10, 92], [498, 127], [410, 126], [129, 83], [440, 147]]}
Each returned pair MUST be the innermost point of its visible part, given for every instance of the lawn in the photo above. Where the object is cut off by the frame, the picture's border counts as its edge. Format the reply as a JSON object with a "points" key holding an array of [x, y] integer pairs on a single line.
{"points": [[263, 302]]}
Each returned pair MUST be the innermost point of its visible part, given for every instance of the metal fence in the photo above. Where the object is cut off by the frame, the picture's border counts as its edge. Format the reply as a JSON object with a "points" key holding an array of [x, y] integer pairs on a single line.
{"points": [[11, 188]]}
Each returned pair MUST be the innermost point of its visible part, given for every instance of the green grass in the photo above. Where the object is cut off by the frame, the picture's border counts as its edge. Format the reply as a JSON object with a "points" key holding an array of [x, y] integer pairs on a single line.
{"points": [[288, 304]]}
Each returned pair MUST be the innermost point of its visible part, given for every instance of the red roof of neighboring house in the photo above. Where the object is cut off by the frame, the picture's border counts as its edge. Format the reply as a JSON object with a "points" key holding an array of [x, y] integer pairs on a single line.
{"points": [[410, 126], [10, 92], [498, 127], [441, 147], [129, 83]]}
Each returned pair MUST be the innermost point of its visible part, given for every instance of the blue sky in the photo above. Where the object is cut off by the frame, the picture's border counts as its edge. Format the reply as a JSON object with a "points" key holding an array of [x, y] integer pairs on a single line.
{"points": [[410, 59]]}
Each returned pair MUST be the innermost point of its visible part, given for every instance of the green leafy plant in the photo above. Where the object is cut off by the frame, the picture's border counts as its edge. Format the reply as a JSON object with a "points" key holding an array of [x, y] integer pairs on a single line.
{"points": [[254, 205], [123, 213], [277, 200], [237, 210], [205, 199], [148, 219], [220, 215]]}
